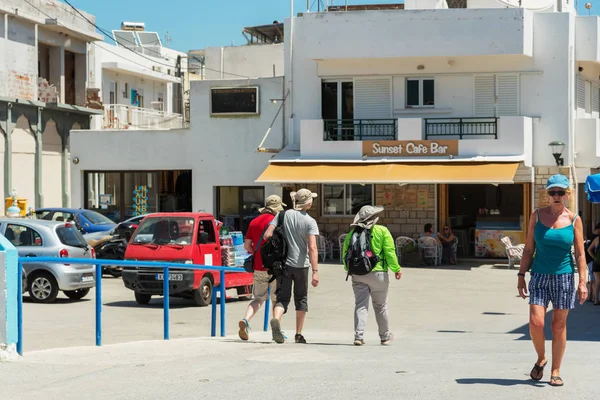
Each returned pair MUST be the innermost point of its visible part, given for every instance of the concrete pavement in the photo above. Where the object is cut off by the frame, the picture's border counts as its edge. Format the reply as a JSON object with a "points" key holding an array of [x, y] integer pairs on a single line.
{"points": [[460, 333]]}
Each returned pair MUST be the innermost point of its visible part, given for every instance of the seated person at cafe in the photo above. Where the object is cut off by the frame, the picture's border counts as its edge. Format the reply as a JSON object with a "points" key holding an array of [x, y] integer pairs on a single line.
{"points": [[446, 238]]}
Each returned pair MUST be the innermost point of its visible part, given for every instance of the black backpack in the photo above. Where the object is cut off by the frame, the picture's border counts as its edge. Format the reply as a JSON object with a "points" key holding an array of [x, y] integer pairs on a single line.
{"points": [[274, 251], [359, 257]]}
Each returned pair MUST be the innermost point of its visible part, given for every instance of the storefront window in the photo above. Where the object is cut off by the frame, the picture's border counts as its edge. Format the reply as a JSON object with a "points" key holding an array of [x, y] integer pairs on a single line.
{"points": [[122, 195], [141, 194], [104, 193], [346, 200], [237, 206]]}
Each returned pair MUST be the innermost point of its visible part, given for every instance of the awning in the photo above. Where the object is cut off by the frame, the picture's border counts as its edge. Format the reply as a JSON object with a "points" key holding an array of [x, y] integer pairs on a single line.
{"points": [[390, 173]]}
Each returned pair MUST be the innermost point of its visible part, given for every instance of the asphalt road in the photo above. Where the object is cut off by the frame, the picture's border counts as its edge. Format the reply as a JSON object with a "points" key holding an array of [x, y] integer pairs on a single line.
{"points": [[461, 333]]}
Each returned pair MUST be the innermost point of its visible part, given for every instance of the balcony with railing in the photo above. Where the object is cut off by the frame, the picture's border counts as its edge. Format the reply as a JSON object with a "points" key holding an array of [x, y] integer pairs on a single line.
{"points": [[460, 128], [122, 116], [360, 129], [475, 137]]}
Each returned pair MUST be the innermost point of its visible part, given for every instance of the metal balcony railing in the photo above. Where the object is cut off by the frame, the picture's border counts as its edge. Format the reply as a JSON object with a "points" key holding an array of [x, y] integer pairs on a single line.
{"points": [[460, 127], [360, 129], [121, 116]]}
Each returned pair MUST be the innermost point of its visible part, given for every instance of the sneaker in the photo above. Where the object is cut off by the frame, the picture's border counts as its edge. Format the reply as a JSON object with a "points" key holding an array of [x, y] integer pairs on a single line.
{"points": [[276, 330], [388, 340], [244, 327], [359, 342], [299, 338]]}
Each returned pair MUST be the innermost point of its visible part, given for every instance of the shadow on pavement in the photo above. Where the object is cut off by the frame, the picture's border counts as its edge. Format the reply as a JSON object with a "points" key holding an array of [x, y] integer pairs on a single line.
{"points": [[59, 300], [498, 382], [157, 302], [583, 324]]}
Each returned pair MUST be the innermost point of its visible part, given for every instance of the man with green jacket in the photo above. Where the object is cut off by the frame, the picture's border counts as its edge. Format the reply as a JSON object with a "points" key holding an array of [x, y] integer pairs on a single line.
{"points": [[374, 284]]}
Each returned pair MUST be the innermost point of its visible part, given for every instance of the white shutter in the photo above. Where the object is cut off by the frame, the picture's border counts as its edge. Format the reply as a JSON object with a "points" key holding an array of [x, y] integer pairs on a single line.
{"points": [[595, 101], [372, 98], [484, 96], [580, 97], [507, 92]]}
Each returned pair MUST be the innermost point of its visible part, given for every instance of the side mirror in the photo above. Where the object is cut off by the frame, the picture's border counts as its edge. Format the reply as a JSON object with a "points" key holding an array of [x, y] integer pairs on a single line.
{"points": [[203, 238]]}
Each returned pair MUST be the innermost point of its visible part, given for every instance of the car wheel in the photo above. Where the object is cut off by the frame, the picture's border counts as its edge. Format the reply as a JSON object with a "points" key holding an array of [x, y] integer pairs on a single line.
{"points": [[203, 295], [43, 288], [143, 299], [76, 294]]}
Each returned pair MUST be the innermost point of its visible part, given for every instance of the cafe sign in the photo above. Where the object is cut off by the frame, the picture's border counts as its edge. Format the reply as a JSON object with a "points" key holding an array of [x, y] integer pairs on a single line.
{"points": [[410, 148]]}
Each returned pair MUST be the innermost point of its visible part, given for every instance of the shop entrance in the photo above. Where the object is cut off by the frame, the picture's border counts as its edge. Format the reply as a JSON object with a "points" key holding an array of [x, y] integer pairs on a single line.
{"points": [[237, 206], [121, 195], [480, 215]]}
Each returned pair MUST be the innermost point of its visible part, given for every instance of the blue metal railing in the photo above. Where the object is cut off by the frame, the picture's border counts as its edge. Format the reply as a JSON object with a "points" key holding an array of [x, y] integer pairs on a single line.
{"points": [[139, 264]]}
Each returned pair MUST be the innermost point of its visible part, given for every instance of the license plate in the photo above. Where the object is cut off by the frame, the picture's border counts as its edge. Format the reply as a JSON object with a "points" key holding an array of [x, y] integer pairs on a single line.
{"points": [[87, 278], [172, 277]]}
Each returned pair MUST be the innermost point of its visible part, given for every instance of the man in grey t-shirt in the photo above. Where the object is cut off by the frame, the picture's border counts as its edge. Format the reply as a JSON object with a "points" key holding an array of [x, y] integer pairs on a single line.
{"points": [[300, 231]]}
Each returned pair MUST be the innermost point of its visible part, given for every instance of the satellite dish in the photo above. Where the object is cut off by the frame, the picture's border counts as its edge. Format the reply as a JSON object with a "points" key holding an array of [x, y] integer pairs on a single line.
{"points": [[533, 5]]}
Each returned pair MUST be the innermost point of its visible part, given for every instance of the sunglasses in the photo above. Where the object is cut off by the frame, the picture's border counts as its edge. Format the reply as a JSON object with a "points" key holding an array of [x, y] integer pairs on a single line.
{"points": [[446, 229], [553, 193]]}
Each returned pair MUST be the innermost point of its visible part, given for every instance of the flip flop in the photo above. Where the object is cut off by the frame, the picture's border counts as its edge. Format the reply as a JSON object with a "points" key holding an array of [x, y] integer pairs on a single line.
{"points": [[555, 378], [537, 368]]}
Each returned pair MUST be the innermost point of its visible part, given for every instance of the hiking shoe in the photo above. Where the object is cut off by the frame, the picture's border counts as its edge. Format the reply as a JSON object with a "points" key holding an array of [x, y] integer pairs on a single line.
{"points": [[388, 340], [276, 330], [244, 327], [359, 342], [299, 338]]}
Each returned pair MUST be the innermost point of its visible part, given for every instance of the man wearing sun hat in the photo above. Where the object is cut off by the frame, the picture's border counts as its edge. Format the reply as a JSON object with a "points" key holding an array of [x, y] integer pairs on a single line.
{"points": [[252, 244], [300, 231]]}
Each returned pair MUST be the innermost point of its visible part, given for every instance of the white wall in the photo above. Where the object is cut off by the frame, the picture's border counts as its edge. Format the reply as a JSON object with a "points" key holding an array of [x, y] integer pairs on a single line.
{"points": [[150, 88], [587, 144], [220, 151], [18, 60], [255, 61], [544, 78]]}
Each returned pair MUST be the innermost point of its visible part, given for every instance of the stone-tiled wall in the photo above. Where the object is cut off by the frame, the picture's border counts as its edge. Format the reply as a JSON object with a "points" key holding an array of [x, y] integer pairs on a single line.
{"points": [[407, 209]]}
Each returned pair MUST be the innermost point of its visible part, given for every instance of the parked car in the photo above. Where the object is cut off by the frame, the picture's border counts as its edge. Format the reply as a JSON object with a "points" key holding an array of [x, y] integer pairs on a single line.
{"points": [[186, 238], [100, 235], [86, 220], [40, 238]]}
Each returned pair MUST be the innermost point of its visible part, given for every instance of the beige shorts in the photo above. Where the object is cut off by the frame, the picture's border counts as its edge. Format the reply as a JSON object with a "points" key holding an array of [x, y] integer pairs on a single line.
{"points": [[261, 284]]}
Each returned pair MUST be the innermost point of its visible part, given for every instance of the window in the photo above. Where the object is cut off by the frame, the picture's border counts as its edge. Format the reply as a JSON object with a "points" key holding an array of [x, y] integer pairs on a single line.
{"points": [[42, 215], [164, 231], [207, 226], [234, 100], [20, 235], [420, 92], [346, 200], [62, 216], [70, 236]]}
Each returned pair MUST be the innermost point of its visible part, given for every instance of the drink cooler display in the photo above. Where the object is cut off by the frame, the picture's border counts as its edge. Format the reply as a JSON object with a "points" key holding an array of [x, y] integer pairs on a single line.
{"points": [[233, 252]]}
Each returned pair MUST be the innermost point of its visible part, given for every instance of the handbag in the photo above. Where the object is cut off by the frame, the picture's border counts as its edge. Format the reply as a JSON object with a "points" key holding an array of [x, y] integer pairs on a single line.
{"points": [[249, 261]]}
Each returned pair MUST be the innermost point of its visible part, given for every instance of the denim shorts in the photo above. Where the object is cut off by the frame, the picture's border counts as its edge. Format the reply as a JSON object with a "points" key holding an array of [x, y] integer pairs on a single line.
{"points": [[558, 289]]}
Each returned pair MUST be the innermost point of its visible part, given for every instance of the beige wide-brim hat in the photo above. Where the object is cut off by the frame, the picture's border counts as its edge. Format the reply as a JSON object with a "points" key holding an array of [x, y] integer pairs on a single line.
{"points": [[273, 204], [301, 198], [367, 216]]}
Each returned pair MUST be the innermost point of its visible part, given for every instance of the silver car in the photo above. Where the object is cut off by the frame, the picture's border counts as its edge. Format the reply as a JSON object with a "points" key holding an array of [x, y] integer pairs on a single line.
{"points": [[40, 238]]}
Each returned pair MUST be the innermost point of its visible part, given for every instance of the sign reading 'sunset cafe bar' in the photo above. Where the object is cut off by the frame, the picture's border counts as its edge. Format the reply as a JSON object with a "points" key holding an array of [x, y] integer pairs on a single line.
{"points": [[410, 148]]}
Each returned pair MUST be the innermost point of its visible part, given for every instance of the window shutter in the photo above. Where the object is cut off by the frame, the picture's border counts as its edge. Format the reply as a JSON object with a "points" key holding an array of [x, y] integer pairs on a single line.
{"points": [[595, 101], [580, 97], [485, 96], [507, 90], [373, 98]]}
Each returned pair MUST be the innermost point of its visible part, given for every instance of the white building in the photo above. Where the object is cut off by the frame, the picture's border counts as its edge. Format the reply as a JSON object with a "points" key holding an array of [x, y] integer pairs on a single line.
{"points": [[140, 89], [487, 84], [210, 165], [44, 77]]}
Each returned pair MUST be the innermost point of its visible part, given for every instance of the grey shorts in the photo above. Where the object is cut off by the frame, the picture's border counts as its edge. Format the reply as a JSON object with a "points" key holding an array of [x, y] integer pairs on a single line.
{"points": [[299, 278]]}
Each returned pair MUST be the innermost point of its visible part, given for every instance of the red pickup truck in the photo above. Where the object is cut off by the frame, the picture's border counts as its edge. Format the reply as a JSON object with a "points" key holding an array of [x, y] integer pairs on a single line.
{"points": [[186, 238]]}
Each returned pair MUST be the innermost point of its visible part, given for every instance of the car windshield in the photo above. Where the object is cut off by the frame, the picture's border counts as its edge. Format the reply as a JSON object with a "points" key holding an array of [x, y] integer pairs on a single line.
{"points": [[165, 230], [70, 236], [97, 218]]}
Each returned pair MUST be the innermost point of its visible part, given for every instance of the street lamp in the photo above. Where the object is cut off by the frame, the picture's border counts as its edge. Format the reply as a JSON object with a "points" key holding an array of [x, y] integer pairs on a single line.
{"points": [[557, 149]]}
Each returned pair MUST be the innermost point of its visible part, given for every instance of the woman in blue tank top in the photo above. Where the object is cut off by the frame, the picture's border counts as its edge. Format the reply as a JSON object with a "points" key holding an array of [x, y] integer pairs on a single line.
{"points": [[553, 232]]}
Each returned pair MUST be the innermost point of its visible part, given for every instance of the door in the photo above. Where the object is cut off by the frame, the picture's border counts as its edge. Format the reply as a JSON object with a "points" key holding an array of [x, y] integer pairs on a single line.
{"points": [[207, 244], [337, 109]]}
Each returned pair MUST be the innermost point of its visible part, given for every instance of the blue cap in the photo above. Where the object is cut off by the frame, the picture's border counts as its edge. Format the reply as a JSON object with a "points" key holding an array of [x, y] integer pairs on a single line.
{"points": [[558, 181]]}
